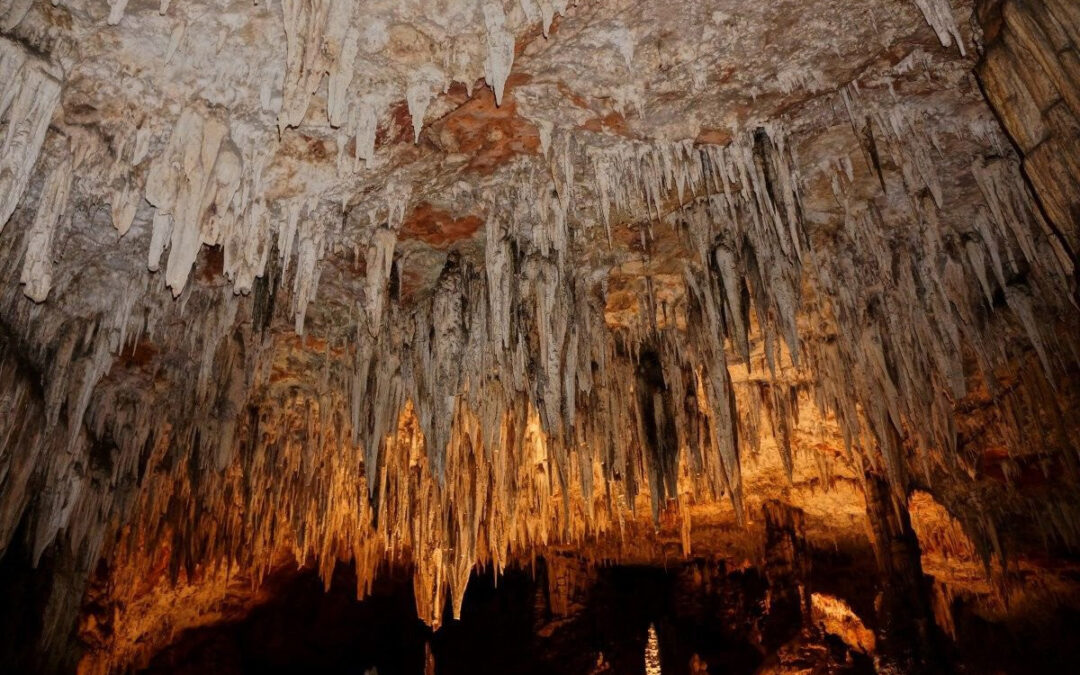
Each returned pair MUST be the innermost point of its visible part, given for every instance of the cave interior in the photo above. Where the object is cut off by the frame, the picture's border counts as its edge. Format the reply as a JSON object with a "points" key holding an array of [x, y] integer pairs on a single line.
{"points": [[539, 337]]}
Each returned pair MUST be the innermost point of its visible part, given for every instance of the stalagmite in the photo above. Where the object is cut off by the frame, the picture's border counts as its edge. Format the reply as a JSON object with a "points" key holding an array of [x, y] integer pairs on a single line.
{"points": [[652, 653], [904, 637]]}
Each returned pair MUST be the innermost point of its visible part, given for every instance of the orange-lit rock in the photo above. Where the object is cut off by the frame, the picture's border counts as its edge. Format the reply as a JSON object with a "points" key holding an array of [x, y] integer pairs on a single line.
{"points": [[772, 304], [836, 618]]}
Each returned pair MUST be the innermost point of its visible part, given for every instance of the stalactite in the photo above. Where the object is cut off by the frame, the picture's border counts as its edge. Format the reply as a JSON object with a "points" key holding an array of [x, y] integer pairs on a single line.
{"points": [[116, 11], [504, 410], [28, 95], [500, 46], [424, 83], [191, 176], [37, 268], [939, 14], [313, 34]]}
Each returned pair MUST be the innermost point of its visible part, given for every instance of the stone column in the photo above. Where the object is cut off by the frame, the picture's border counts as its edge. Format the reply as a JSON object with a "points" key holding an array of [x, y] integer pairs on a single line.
{"points": [[906, 640], [787, 570]]}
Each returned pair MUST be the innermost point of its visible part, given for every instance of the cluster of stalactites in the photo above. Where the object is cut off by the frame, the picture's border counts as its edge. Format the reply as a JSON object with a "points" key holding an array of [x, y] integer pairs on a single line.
{"points": [[207, 187], [503, 412], [908, 307], [498, 415], [530, 331], [335, 41], [530, 335]]}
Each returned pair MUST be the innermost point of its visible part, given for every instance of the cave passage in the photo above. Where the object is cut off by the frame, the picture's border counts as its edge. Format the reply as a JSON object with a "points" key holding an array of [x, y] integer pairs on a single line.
{"points": [[563, 616], [506, 626]]}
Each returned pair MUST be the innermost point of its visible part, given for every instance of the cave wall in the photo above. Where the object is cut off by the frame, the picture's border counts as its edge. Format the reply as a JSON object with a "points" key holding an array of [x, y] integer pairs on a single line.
{"points": [[1030, 71]]}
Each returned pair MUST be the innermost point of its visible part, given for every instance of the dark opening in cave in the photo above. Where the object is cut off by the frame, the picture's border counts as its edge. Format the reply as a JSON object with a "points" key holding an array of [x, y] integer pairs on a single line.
{"points": [[511, 625], [570, 617]]}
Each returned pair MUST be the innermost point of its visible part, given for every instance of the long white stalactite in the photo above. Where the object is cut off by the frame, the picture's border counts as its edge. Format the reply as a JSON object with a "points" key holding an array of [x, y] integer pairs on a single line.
{"points": [[28, 96]]}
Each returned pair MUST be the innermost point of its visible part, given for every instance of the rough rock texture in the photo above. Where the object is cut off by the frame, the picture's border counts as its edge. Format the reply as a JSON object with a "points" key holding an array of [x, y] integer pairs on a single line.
{"points": [[1031, 74], [453, 284]]}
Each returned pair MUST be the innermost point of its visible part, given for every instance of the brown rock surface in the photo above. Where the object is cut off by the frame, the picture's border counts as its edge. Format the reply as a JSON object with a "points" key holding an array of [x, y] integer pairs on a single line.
{"points": [[749, 288]]}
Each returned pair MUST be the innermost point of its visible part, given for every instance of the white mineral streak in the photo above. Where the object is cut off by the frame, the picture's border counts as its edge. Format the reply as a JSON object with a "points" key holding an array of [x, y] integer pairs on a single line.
{"points": [[500, 49], [366, 126], [939, 14], [38, 265], [497, 265], [174, 40], [545, 129], [160, 233], [28, 96]]}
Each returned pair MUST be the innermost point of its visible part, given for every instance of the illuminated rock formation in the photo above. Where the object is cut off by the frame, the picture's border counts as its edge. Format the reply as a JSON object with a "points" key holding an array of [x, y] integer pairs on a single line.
{"points": [[456, 286]]}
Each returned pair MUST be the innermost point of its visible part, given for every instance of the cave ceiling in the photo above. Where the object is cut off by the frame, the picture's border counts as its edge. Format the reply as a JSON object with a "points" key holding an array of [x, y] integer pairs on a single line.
{"points": [[458, 282]]}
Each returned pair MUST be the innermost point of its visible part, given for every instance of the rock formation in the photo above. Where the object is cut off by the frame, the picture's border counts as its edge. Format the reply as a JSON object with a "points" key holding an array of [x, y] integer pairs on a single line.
{"points": [[453, 286]]}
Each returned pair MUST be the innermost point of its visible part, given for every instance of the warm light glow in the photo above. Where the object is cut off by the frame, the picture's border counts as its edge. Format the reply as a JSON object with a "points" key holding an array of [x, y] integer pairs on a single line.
{"points": [[652, 653]]}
